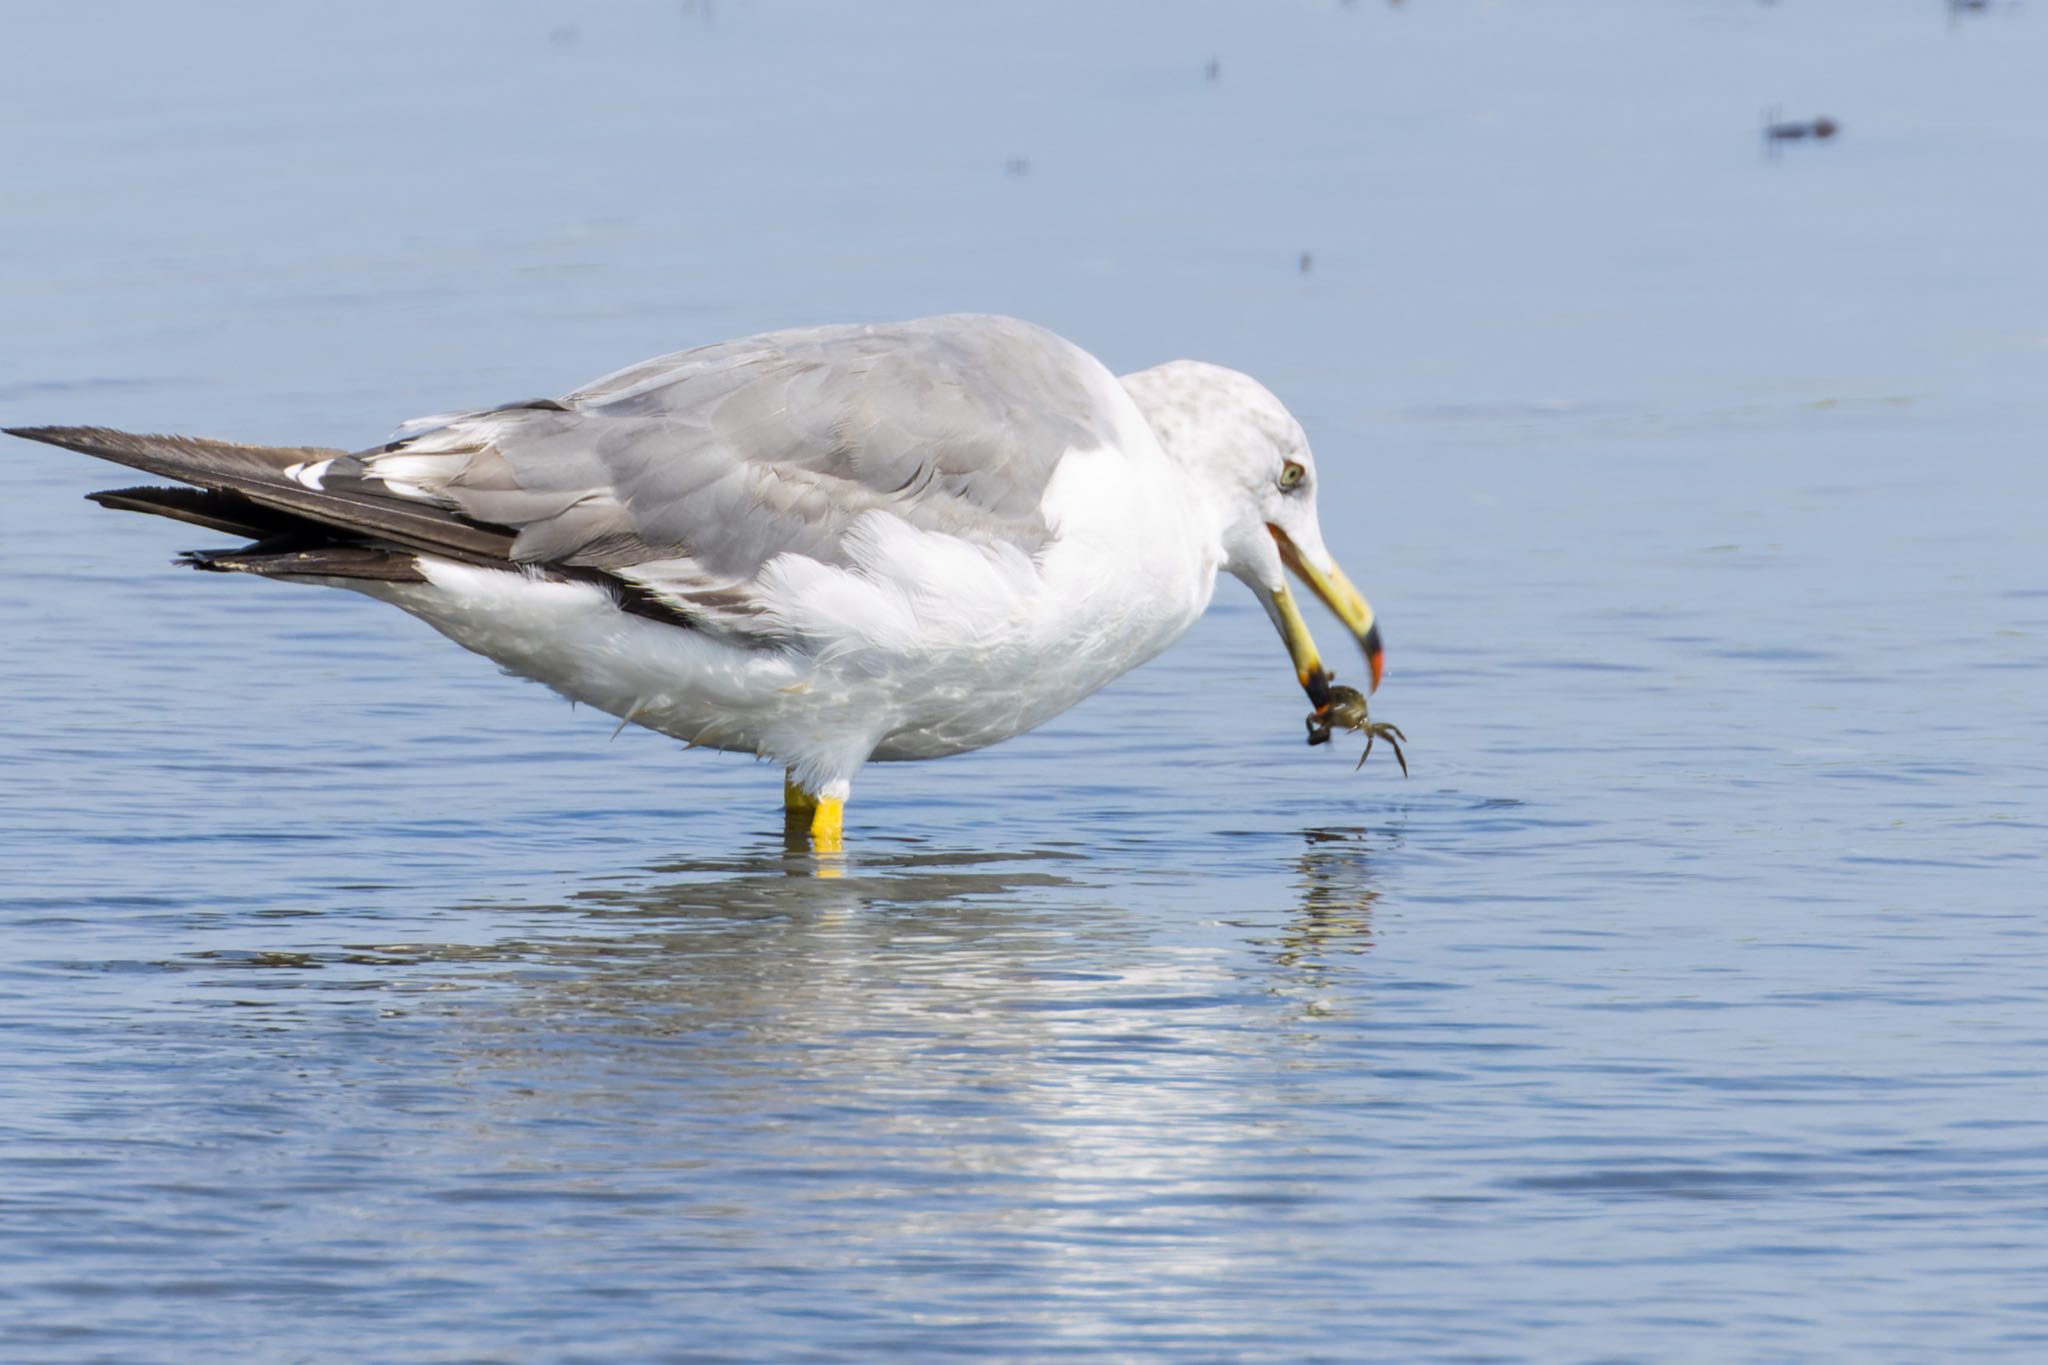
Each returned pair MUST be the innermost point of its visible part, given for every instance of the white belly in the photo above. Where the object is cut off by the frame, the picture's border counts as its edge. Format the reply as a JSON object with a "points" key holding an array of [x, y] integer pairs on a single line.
{"points": [[926, 646]]}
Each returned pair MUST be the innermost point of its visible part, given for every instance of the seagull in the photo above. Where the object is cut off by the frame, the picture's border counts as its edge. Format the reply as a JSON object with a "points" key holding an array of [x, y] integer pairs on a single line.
{"points": [[823, 546]]}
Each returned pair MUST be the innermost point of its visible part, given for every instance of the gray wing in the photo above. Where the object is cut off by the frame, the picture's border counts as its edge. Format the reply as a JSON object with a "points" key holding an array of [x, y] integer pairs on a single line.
{"points": [[699, 467]]}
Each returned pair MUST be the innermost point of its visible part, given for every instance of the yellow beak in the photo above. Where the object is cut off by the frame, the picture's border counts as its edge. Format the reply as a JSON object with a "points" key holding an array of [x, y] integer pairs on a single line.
{"points": [[1341, 598]]}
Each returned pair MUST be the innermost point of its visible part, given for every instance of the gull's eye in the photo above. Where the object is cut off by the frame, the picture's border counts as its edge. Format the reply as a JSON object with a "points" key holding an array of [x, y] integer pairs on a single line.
{"points": [[1291, 475]]}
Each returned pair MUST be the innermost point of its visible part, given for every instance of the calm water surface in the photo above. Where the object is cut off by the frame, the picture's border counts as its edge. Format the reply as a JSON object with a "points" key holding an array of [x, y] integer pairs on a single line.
{"points": [[1688, 1001]]}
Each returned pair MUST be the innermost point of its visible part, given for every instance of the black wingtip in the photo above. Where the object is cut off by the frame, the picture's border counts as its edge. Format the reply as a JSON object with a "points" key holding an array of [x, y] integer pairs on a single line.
{"points": [[85, 440]]}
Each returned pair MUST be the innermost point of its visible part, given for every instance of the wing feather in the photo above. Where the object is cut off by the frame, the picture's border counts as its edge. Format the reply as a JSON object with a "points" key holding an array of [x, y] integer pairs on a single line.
{"points": [[702, 466]]}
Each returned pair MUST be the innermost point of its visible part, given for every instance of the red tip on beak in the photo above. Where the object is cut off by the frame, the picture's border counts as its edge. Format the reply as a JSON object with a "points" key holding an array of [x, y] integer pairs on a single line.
{"points": [[1375, 656]]}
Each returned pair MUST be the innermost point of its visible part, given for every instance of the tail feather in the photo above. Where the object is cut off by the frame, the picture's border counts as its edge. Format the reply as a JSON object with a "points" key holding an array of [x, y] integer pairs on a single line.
{"points": [[307, 525], [266, 476], [227, 512], [189, 459], [322, 561]]}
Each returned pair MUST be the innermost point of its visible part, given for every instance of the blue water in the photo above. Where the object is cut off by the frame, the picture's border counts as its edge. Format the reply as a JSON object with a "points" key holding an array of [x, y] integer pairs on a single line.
{"points": [[1686, 1003]]}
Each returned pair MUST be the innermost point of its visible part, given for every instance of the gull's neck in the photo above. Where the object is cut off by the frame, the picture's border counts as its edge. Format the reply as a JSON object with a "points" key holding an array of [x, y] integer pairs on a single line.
{"points": [[1180, 403]]}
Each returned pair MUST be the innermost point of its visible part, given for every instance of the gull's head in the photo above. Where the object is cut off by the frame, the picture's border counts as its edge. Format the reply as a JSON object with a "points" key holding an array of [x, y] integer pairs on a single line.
{"points": [[1248, 459]]}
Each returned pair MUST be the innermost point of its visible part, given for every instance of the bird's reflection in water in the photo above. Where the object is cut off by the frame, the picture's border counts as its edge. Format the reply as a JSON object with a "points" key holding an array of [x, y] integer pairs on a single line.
{"points": [[1333, 879], [749, 950], [965, 933], [1327, 929], [1079, 1068], [919, 953]]}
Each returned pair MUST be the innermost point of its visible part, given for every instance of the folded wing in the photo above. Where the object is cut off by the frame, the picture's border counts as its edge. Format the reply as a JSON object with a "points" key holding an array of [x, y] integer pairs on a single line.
{"points": [[688, 473], [678, 479]]}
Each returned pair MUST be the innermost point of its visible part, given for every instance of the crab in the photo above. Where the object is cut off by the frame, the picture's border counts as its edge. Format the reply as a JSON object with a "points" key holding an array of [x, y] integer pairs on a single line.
{"points": [[1346, 710]]}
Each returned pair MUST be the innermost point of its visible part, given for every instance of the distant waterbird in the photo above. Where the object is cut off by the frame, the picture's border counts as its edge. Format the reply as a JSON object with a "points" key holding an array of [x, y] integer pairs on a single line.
{"points": [[823, 546], [1777, 130]]}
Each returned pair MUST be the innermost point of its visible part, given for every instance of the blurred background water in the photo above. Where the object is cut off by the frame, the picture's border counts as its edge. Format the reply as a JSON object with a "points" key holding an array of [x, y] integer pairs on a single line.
{"points": [[1687, 1002]]}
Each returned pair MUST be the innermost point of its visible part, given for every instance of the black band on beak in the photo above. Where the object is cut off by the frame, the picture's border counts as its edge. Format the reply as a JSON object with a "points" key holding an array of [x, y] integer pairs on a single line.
{"points": [[1317, 685]]}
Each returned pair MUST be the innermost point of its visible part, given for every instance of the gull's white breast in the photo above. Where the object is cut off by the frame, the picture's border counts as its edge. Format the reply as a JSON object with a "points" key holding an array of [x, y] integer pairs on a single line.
{"points": [[923, 644]]}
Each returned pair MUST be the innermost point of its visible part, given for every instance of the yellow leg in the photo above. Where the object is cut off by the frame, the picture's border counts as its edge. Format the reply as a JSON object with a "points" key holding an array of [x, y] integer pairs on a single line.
{"points": [[821, 819], [828, 825], [797, 804]]}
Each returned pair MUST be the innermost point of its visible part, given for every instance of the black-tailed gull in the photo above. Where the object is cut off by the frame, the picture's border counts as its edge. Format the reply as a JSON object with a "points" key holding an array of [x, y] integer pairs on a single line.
{"points": [[823, 546]]}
